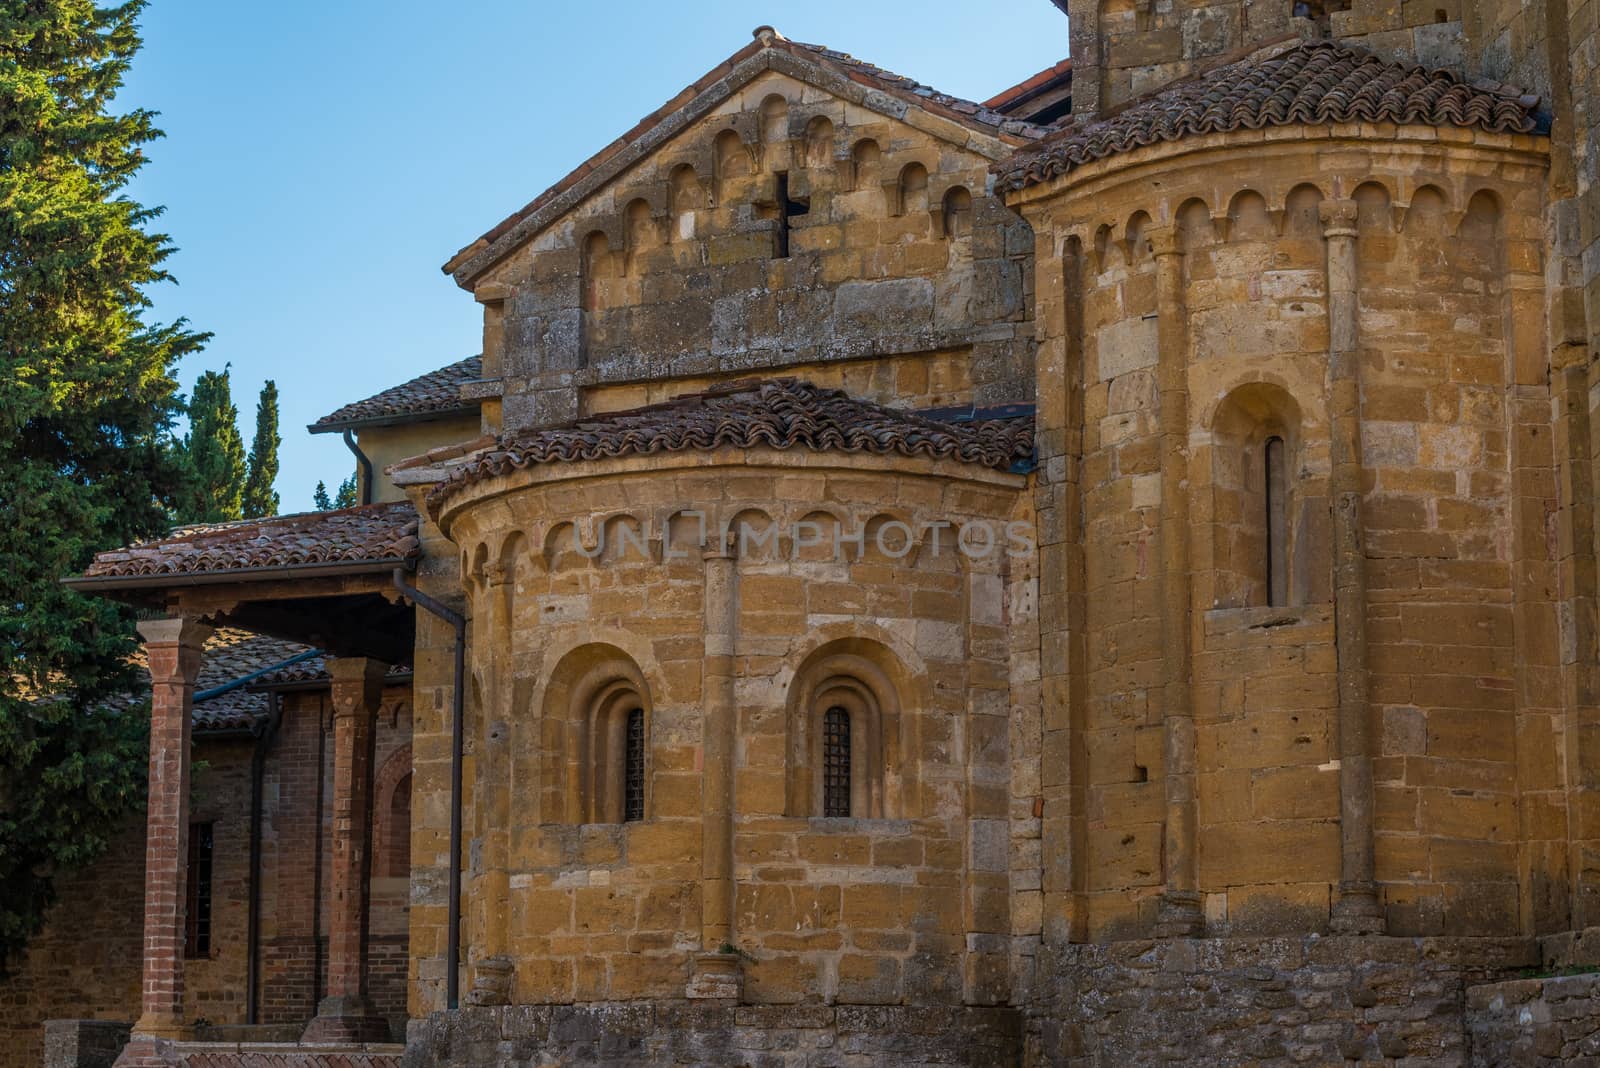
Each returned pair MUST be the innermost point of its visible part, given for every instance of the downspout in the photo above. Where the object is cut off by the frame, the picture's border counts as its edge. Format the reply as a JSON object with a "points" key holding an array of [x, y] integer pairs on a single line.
{"points": [[258, 764], [457, 726], [363, 463]]}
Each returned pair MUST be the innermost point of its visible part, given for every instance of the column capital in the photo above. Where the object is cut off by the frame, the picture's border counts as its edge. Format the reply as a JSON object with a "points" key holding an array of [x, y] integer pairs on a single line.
{"points": [[186, 632], [1338, 218], [357, 683], [1164, 241], [497, 574]]}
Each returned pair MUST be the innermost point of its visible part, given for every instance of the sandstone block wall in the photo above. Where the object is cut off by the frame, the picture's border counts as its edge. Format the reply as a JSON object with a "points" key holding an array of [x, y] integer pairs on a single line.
{"points": [[789, 227], [1458, 486], [908, 899]]}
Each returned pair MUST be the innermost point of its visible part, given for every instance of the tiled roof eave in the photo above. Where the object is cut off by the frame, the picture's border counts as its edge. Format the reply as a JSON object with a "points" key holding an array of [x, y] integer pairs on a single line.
{"points": [[180, 579], [428, 415], [1315, 84], [783, 415]]}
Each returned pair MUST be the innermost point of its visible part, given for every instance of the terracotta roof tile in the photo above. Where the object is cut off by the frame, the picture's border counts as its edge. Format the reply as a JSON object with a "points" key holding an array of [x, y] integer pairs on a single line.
{"points": [[779, 413], [426, 395], [1314, 83], [230, 656], [315, 669], [371, 532]]}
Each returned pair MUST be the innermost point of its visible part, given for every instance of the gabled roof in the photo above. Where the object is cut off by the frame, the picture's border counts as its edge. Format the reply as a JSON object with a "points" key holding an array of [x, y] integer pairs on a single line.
{"points": [[377, 535], [781, 413], [1311, 83], [1042, 96], [435, 395], [835, 72]]}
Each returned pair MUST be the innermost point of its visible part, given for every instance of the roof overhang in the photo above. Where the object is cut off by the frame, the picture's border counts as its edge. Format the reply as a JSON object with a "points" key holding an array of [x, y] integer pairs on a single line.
{"points": [[693, 104], [110, 584], [404, 419]]}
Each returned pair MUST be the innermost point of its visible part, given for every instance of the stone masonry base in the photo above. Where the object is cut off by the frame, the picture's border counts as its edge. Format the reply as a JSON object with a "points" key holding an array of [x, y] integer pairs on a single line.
{"points": [[672, 1033], [1267, 1002]]}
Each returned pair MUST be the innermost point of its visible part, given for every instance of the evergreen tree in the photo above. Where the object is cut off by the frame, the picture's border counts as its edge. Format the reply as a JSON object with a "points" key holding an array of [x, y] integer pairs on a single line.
{"points": [[346, 497], [87, 402], [260, 499], [319, 499], [214, 452]]}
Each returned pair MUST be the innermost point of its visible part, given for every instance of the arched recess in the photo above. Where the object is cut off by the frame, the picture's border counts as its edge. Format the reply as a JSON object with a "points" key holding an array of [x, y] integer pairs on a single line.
{"points": [[913, 188], [957, 212], [851, 737], [391, 816], [596, 729], [819, 143], [688, 197], [1262, 532], [867, 160]]}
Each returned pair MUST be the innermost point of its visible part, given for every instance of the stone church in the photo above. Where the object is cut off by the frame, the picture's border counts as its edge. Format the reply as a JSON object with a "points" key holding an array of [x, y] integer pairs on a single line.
{"points": [[1103, 576]]}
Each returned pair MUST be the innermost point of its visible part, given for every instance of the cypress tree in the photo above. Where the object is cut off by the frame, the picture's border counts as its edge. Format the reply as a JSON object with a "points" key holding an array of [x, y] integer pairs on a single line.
{"points": [[215, 453], [87, 461], [346, 497], [319, 499], [260, 499]]}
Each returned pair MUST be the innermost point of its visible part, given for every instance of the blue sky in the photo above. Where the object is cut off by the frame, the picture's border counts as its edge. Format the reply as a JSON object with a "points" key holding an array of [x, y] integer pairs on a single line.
{"points": [[322, 160]]}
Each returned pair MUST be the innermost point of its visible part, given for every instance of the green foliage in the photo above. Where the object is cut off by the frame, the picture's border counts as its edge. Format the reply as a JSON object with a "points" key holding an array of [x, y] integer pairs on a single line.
{"points": [[260, 499], [346, 497], [87, 462], [319, 499], [214, 452]]}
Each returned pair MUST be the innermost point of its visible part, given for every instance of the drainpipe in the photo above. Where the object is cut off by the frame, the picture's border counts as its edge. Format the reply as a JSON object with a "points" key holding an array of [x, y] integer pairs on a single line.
{"points": [[258, 764], [457, 705], [364, 464]]}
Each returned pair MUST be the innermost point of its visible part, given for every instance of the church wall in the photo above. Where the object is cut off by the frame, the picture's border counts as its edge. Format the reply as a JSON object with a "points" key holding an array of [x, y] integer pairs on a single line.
{"points": [[1463, 664], [884, 244], [907, 899]]}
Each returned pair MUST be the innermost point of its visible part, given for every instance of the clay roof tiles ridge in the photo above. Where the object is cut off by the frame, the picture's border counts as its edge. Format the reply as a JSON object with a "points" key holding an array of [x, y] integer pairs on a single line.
{"points": [[367, 533], [778, 413], [1312, 83]]}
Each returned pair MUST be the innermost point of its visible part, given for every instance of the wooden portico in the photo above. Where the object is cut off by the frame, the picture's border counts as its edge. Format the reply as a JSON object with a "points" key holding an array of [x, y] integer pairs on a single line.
{"points": [[334, 581]]}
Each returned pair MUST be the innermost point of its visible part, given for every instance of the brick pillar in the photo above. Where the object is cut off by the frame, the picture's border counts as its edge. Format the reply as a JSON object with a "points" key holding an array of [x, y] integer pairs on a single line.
{"points": [[345, 1014], [1180, 913], [172, 647], [1356, 909]]}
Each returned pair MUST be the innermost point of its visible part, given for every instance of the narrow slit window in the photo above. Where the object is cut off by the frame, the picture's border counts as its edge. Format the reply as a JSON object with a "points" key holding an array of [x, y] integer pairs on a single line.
{"points": [[787, 210], [1277, 492], [197, 916], [836, 762], [633, 778]]}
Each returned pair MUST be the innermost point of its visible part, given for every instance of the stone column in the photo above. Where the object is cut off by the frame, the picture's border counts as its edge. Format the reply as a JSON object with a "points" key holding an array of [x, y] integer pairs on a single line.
{"points": [[493, 969], [345, 1014], [1355, 910], [1180, 915], [716, 974], [172, 647]]}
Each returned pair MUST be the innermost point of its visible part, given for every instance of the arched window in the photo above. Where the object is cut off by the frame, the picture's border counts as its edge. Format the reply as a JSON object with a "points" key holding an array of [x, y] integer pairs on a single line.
{"points": [[957, 212], [633, 770], [836, 762], [847, 735], [1275, 494], [596, 735], [1268, 514]]}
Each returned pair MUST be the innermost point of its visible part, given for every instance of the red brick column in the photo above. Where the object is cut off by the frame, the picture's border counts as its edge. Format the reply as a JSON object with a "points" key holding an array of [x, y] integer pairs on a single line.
{"points": [[345, 1014], [173, 648]]}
